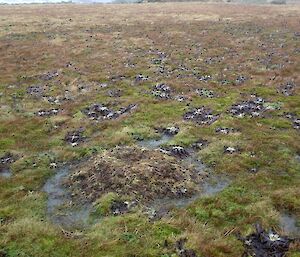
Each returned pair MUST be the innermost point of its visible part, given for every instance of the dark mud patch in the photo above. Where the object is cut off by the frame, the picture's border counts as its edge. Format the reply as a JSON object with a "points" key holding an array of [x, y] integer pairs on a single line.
{"points": [[254, 107], [75, 137], [101, 112], [60, 208], [36, 90], [162, 91], [294, 119], [47, 113], [201, 115], [288, 89], [265, 243], [182, 250]]}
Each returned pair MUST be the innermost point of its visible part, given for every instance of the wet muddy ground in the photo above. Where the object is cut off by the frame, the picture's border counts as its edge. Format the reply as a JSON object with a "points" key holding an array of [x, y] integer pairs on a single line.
{"points": [[74, 189], [5, 173], [60, 209], [290, 225]]}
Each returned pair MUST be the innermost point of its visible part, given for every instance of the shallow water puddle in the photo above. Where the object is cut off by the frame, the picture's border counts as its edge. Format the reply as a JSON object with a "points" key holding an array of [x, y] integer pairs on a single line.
{"points": [[59, 204], [289, 224], [5, 173], [61, 210], [152, 144], [209, 188]]}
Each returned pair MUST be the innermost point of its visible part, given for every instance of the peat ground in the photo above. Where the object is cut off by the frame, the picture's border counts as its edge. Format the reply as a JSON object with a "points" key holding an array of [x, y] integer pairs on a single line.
{"points": [[140, 97]]}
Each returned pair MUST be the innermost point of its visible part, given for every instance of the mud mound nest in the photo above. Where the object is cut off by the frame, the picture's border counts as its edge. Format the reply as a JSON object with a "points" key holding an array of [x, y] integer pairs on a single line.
{"points": [[136, 173]]}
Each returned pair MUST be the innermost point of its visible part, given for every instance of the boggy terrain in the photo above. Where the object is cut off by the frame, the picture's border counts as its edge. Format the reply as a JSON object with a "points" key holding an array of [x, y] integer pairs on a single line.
{"points": [[120, 123]]}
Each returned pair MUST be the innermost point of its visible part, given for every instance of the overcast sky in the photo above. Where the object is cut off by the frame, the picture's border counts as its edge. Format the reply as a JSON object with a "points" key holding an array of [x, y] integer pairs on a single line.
{"points": [[48, 1]]}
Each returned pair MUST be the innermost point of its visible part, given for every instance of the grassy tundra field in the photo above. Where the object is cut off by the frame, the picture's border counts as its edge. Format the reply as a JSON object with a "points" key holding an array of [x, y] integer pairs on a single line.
{"points": [[148, 129]]}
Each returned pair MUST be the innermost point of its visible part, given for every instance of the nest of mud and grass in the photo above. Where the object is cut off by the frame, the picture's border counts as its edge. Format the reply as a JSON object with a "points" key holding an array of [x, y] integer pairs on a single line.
{"points": [[139, 174]]}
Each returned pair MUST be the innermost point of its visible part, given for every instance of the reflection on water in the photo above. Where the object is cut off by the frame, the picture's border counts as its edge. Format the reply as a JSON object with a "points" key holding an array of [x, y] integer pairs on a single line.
{"points": [[289, 224], [209, 188], [62, 212], [5, 173], [59, 205], [152, 144]]}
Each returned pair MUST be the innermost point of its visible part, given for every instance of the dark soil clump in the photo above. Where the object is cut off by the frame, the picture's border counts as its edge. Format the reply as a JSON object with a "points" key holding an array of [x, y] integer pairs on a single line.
{"points": [[265, 244], [44, 113], [201, 115], [225, 130], [6, 160], [175, 150], [162, 91], [295, 120], [254, 107], [183, 251], [49, 75], [102, 112], [200, 144], [288, 89], [74, 137]]}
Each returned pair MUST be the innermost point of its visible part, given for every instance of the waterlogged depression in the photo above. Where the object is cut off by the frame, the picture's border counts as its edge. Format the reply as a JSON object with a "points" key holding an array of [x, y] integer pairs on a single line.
{"points": [[66, 211]]}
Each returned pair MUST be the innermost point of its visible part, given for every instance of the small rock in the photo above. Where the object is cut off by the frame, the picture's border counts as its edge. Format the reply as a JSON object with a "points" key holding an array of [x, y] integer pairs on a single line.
{"points": [[240, 79], [114, 93], [49, 75], [162, 91]]}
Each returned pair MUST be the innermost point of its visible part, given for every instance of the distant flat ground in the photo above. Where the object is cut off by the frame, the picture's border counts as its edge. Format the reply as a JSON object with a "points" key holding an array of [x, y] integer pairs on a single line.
{"points": [[61, 23]]}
